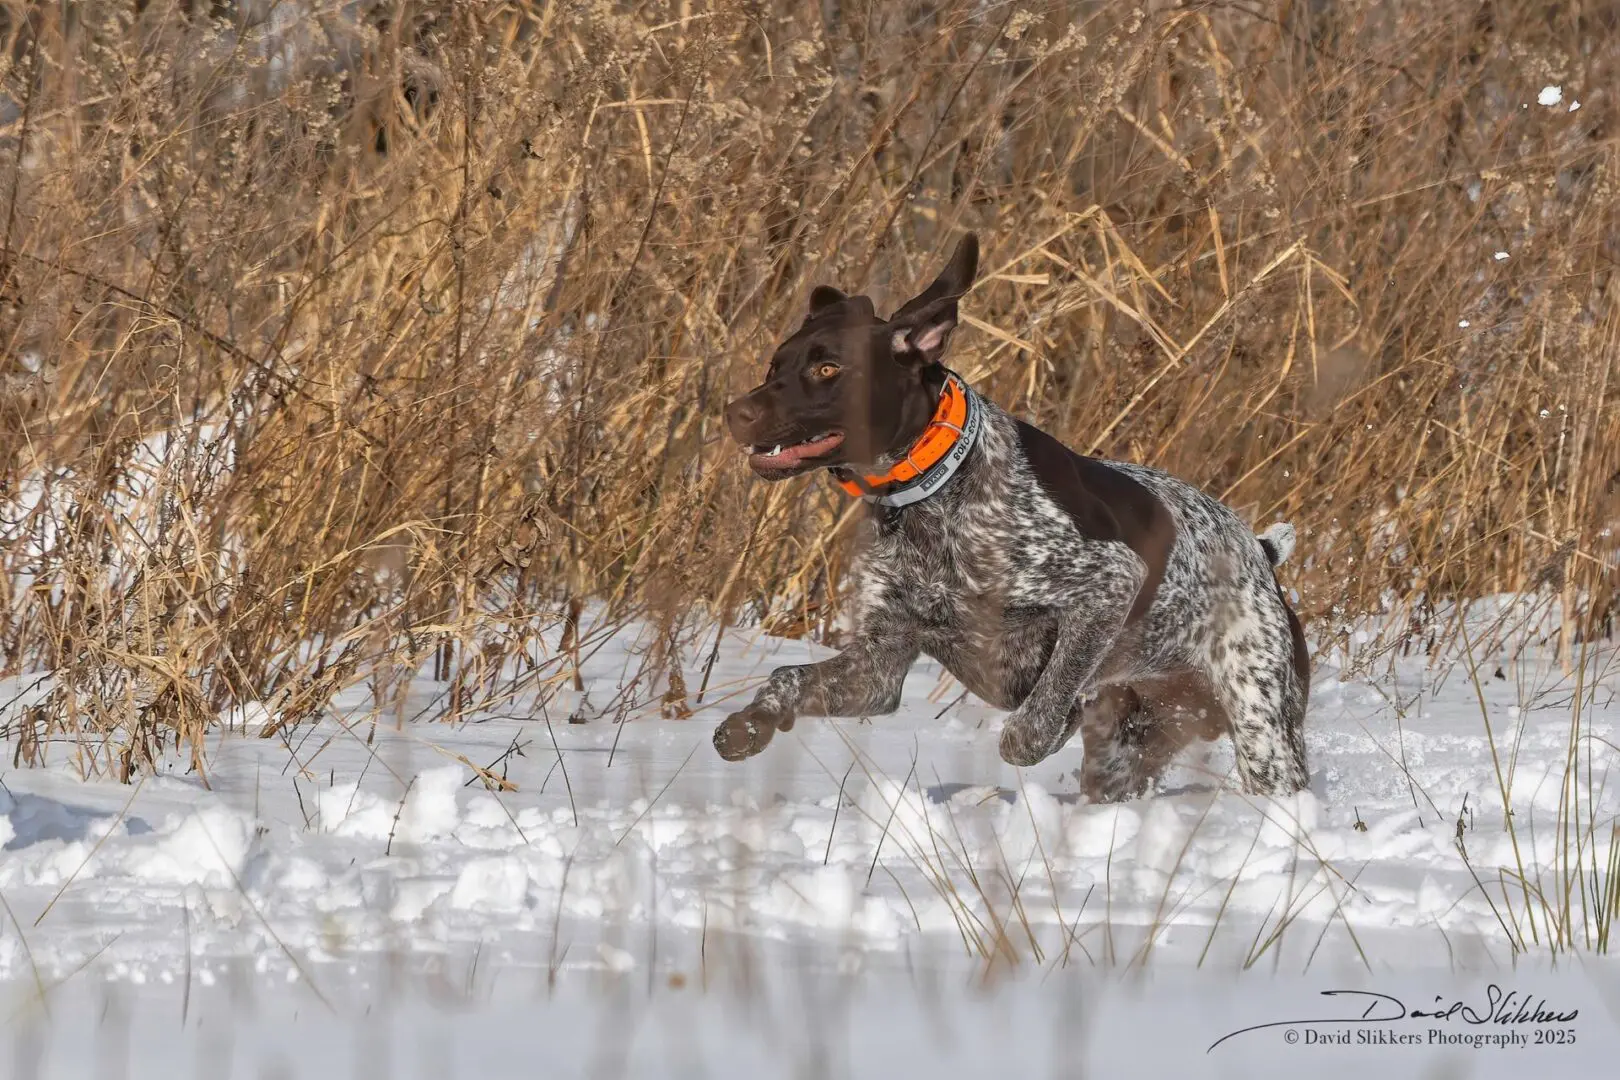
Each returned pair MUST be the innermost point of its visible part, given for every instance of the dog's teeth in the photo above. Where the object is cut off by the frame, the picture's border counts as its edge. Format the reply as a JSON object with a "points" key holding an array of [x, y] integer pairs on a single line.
{"points": [[777, 449]]}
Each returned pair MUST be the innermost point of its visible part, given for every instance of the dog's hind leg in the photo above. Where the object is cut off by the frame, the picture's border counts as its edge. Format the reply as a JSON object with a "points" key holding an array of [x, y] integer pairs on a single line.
{"points": [[1132, 733], [1260, 676], [1113, 732]]}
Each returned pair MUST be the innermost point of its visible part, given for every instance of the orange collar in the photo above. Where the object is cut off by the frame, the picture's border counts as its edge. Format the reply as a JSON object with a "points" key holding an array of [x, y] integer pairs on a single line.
{"points": [[933, 458]]}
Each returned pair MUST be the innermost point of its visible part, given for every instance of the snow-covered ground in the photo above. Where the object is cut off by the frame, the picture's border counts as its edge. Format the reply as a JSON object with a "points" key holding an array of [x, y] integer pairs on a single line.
{"points": [[865, 898]]}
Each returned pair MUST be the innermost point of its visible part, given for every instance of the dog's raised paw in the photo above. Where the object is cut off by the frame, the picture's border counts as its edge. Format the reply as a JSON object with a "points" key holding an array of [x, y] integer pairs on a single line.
{"points": [[1022, 743], [744, 734]]}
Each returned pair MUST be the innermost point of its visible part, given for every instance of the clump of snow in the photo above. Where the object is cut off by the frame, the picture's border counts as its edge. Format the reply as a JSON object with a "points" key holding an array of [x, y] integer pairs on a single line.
{"points": [[430, 807], [1162, 838], [347, 811], [207, 847], [1034, 827], [492, 884], [829, 898], [1094, 831], [426, 812], [1290, 820], [617, 960], [1550, 96], [1500, 256], [413, 897]]}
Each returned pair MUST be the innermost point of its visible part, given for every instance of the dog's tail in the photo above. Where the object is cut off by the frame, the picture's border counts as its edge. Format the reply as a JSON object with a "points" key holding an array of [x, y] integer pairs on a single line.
{"points": [[1277, 542]]}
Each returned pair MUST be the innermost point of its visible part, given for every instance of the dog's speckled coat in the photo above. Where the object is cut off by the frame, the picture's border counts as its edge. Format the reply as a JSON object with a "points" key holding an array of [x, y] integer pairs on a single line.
{"points": [[1100, 597]]}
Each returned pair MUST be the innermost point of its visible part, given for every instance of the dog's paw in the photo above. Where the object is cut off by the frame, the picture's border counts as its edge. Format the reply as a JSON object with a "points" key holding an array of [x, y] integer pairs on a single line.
{"points": [[744, 734], [1024, 743]]}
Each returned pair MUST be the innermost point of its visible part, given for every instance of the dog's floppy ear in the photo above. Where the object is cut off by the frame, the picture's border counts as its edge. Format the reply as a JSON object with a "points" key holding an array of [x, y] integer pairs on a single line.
{"points": [[923, 325]]}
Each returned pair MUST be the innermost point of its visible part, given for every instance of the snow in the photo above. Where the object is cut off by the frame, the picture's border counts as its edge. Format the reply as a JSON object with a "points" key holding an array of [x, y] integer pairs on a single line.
{"points": [[1550, 96], [344, 864]]}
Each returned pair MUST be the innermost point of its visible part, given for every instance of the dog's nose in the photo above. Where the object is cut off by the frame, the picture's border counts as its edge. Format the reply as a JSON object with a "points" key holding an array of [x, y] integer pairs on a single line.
{"points": [[742, 415]]}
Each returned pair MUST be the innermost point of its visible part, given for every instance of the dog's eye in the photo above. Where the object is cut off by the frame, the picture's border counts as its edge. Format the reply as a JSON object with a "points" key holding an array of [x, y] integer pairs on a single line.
{"points": [[827, 370]]}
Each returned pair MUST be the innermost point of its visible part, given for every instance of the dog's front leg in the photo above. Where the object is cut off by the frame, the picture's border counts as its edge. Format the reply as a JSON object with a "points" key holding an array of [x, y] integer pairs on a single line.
{"points": [[863, 680], [1087, 630]]}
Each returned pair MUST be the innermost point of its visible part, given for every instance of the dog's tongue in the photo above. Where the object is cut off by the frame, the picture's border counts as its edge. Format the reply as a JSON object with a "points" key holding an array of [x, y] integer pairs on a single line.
{"points": [[789, 456]]}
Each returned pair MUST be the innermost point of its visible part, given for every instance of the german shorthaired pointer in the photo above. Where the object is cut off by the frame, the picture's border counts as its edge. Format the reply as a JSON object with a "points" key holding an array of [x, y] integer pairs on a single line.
{"points": [[1080, 594]]}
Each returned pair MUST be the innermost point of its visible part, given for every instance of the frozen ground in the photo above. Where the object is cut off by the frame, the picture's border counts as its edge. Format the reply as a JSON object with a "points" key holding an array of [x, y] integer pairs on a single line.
{"points": [[865, 898]]}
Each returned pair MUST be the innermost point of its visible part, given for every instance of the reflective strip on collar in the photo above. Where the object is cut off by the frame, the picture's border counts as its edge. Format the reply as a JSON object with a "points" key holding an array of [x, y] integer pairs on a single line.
{"points": [[937, 475]]}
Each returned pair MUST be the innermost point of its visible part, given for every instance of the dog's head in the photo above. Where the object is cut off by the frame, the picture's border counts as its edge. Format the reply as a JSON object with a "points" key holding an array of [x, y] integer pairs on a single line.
{"points": [[849, 388]]}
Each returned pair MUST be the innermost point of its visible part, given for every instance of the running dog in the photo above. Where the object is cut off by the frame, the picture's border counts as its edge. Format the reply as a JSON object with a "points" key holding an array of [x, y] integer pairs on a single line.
{"points": [[1076, 593]]}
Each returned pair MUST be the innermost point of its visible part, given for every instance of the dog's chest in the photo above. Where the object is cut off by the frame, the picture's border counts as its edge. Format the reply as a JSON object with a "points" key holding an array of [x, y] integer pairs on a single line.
{"points": [[949, 571], [964, 587]]}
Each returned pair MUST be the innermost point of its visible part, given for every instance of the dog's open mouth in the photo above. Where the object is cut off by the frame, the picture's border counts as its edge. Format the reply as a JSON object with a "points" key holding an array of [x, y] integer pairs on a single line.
{"points": [[777, 458]]}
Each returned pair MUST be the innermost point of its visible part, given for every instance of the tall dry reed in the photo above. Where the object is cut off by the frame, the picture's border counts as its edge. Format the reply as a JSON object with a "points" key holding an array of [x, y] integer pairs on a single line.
{"points": [[340, 338]]}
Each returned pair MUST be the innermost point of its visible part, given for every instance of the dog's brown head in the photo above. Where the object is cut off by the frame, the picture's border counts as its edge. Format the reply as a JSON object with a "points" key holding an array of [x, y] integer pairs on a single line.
{"points": [[848, 388]]}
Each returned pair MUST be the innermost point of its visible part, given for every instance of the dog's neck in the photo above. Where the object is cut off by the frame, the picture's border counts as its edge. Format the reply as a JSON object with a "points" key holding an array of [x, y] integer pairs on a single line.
{"points": [[932, 459]]}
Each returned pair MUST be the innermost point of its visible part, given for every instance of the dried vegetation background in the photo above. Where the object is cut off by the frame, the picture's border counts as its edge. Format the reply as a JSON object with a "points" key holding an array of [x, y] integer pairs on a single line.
{"points": [[343, 341]]}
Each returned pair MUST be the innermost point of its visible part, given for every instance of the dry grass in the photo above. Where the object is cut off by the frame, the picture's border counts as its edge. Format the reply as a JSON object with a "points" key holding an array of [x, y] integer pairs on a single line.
{"points": [[333, 346]]}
